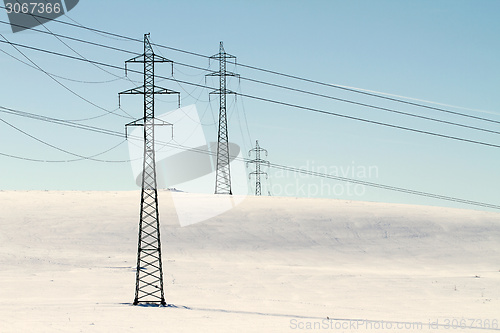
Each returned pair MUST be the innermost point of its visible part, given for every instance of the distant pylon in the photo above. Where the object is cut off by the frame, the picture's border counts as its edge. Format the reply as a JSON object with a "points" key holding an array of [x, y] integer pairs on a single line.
{"points": [[223, 172], [149, 271], [258, 161]]}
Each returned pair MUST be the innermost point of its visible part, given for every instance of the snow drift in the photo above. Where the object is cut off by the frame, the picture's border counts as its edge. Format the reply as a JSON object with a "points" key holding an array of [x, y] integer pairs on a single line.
{"points": [[268, 265]]}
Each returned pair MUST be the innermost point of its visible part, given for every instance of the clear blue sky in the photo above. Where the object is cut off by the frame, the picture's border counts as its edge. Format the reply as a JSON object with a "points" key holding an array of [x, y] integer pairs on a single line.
{"points": [[440, 51]]}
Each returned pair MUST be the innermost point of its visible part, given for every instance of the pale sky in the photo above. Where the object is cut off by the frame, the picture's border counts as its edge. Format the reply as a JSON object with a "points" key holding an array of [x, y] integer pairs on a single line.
{"points": [[439, 51]]}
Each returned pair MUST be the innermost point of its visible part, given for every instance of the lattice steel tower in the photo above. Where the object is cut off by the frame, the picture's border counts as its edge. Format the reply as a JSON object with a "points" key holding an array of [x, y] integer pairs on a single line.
{"points": [[258, 161], [223, 172], [149, 273]]}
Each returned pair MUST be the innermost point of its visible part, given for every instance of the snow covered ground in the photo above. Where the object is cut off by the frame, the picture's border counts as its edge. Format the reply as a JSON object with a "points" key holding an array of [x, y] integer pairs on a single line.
{"points": [[268, 265]]}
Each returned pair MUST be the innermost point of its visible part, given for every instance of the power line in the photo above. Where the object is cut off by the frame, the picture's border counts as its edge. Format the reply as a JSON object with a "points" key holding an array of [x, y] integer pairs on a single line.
{"points": [[466, 201], [14, 45], [369, 121], [245, 118], [374, 106], [64, 161], [317, 94], [71, 124], [80, 157], [369, 94], [385, 187], [59, 121], [351, 180], [69, 47], [278, 73], [79, 54], [284, 74], [272, 165], [279, 102], [379, 185], [59, 76]]}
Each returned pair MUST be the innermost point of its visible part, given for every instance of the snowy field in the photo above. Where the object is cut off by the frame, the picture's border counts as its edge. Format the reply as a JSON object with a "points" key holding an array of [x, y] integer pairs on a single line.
{"points": [[268, 265]]}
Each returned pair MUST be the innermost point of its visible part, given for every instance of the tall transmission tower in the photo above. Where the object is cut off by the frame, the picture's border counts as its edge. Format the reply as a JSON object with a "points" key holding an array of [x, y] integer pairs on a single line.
{"points": [[258, 161], [223, 172], [149, 273]]}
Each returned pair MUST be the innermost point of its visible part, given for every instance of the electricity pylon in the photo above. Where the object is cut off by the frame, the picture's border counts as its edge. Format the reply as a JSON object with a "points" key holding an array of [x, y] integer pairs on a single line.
{"points": [[223, 172], [149, 273], [258, 161]]}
